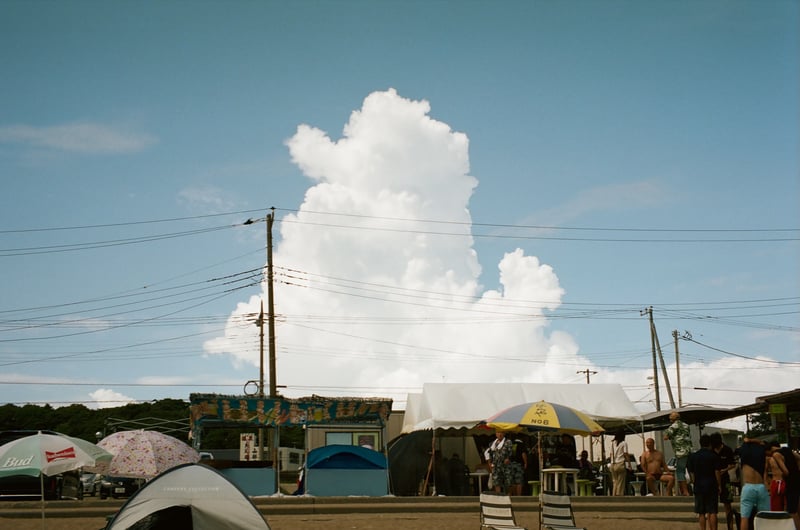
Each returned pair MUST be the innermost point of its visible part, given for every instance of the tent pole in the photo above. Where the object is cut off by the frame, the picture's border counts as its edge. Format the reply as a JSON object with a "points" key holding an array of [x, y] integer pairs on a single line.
{"points": [[430, 462], [541, 475]]}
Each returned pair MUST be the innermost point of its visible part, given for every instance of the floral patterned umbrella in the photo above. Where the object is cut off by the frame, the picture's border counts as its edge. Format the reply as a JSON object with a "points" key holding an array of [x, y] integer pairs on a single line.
{"points": [[144, 454]]}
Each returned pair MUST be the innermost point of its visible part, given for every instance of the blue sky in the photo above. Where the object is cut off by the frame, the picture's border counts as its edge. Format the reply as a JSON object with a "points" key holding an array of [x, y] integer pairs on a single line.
{"points": [[603, 156]]}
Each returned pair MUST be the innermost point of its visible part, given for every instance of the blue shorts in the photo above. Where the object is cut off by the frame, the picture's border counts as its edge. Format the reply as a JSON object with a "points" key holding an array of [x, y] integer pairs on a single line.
{"points": [[680, 468], [754, 499]]}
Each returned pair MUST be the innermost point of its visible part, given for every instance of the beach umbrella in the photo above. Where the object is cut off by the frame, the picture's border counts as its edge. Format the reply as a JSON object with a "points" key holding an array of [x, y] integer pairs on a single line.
{"points": [[48, 454], [544, 416], [145, 454]]}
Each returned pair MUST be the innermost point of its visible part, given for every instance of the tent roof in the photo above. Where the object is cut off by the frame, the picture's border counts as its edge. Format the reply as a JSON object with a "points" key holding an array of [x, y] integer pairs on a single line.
{"points": [[214, 500], [692, 414], [464, 405], [695, 414], [345, 457]]}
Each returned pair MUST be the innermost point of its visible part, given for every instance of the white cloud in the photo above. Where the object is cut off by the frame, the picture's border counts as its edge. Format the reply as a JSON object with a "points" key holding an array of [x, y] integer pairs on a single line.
{"points": [[78, 137], [104, 398], [373, 299], [412, 309]]}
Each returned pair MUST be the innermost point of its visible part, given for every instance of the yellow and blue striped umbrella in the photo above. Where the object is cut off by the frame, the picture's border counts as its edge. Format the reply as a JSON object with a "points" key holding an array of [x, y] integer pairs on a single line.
{"points": [[544, 416]]}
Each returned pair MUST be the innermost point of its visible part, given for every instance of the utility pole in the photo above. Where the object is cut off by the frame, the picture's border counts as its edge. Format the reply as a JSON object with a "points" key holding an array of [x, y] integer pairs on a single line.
{"points": [[664, 370], [587, 372], [273, 385], [260, 324], [678, 366], [649, 311], [260, 393]]}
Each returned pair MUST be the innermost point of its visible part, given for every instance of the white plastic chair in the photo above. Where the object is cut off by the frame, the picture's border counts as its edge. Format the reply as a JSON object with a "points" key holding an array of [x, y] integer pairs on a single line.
{"points": [[496, 512], [556, 512], [773, 521]]}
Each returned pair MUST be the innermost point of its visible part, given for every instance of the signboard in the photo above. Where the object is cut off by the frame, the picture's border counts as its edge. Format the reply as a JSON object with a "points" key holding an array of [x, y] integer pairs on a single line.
{"points": [[777, 408], [248, 446], [283, 411]]}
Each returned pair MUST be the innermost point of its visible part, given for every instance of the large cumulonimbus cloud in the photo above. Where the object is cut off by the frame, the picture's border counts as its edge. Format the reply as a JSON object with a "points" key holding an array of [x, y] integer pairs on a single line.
{"points": [[369, 293]]}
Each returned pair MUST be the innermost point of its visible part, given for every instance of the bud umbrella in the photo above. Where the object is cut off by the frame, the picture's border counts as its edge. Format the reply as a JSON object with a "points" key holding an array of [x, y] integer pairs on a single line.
{"points": [[48, 454]]}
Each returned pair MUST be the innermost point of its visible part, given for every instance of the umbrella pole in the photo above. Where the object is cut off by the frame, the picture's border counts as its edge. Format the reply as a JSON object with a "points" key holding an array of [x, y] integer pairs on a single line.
{"points": [[41, 489], [541, 473]]}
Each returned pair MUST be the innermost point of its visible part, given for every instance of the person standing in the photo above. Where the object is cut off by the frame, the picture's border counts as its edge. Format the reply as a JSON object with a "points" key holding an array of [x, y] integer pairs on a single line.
{"points": [[619, 458], [792, 461], [754, 497], [519, 466], [655, 468], [681, 439], [704, 468], [777, 475], [727, 464], [499, 457]]}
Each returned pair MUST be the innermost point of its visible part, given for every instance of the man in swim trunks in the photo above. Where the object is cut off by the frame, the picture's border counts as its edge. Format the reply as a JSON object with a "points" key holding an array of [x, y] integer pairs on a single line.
{"points": [[655, 468], [754, 497]]}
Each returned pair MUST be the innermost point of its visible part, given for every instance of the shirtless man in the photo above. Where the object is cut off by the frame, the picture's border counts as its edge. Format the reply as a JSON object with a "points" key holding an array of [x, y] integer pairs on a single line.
{"points": [[777, 475], [655, 468], [754, 497]]}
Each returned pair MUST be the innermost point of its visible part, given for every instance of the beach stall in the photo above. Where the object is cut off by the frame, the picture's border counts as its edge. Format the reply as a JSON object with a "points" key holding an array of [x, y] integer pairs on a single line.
{"points": [[445, 419], [327, 421]]}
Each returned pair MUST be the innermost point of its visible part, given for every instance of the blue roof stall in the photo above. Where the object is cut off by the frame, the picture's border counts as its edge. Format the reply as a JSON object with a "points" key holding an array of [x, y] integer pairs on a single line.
{"points": [[346, 470]]}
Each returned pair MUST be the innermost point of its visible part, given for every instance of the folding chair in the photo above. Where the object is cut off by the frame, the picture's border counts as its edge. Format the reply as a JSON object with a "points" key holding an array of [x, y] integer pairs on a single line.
{"points": [[773, 521], [496, 512], [556, 512]]}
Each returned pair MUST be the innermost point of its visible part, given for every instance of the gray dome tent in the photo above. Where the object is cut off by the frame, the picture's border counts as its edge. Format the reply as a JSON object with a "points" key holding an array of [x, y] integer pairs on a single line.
{"points": [[189, 496]]}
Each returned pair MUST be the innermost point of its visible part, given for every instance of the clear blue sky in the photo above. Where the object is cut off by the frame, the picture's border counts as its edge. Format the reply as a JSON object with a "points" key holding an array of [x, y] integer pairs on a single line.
{"points": [[596, 131]]}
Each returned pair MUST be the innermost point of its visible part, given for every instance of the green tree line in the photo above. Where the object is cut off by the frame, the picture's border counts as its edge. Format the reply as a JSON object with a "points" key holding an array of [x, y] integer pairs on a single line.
{"points": [[83, 422]]}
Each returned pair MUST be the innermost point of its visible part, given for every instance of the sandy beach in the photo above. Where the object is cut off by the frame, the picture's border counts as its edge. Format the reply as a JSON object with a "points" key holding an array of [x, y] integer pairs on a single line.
{"points": [[395, 521], [398, 514]]}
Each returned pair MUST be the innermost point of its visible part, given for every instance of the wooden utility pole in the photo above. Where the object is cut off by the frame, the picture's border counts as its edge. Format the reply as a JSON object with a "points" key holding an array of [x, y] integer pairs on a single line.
{"points": [[649, 311], [678, 366], [664, 370], [260, 324], [273, 381], [587, 372], [260, 393], [273, 384]]}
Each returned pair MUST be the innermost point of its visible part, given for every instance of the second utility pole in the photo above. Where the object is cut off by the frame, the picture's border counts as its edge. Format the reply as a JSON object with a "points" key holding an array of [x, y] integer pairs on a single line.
{"points": [[273, 385], [649, 311]]}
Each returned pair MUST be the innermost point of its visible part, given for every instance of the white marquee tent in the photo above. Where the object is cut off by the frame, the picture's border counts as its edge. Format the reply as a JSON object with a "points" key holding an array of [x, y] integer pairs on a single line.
{"points": [[464, 405]]}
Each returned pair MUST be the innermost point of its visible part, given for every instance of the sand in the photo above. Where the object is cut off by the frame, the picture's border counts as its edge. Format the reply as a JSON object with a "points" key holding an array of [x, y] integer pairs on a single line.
{"points": [[395, 521]]}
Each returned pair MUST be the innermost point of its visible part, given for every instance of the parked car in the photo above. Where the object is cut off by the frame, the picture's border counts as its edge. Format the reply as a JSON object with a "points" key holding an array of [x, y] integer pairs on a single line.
{"points": [[116, 487], [64, 486], [91, 483]]}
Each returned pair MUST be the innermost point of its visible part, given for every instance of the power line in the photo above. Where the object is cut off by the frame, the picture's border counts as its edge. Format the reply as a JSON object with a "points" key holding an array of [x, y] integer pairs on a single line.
{"points": [[128, 223], [739, 355], [557, 238], [545, 227]]}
